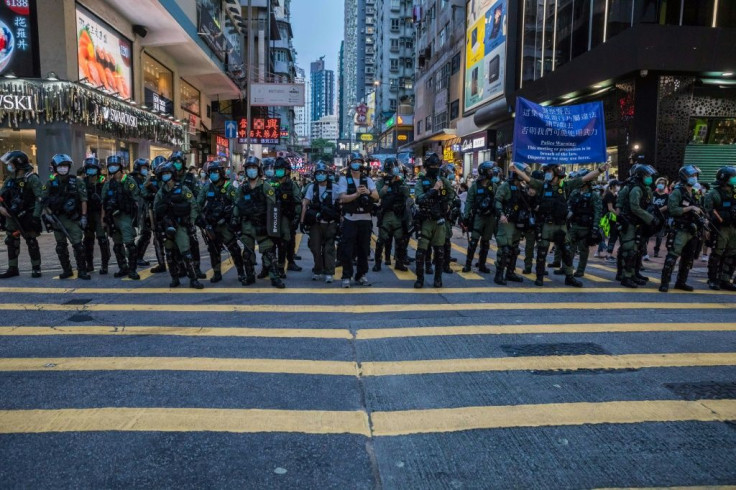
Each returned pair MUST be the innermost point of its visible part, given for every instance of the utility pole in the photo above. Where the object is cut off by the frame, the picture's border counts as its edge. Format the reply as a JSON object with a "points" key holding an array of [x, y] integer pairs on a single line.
{"points": [[249, 78]]}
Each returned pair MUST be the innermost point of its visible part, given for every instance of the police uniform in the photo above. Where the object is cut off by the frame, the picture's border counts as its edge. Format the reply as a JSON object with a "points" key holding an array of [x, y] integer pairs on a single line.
{"points": [[190, 181], [120, 207], [149, 189], [145, 202], [683, 239], [63, 196], [585, 207], [511, 201], [480, 214], [633, 200], [433, 207], [21, 197], [252, 202], [216, 202], [322, 217], [720, 203], [95, 228], [393, 223], [289, 198]]}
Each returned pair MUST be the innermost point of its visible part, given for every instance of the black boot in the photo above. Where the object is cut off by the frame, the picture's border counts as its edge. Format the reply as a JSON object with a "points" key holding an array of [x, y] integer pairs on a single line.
{"points": [[81, 259], [439, 257], [387, 251], [173, 269], [682, 273], [104, 244], [541, 265], [379, 255], [472, 245], [119, 252], [483, 256], [35, 252], [501, 260], [400, 264], [669, 266], [428, 260], [420, 258], [89, 253], [511, 266], [274, 270], [619, 265], [714, 269], [66, 264], [447, 257], [628, 282], [571, 281], [216, 260], [132, 261], [13, 244], [192, 273], [11, 272]]}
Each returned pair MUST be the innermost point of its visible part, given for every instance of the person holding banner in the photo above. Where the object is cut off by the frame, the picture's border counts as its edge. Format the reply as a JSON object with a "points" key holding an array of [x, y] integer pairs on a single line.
{"points": [[515, 209], [585, 206], [553, 214]]}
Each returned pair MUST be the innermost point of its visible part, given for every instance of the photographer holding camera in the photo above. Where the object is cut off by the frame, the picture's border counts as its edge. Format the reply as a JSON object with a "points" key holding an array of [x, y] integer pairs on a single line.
{"points": [[357, 193]]}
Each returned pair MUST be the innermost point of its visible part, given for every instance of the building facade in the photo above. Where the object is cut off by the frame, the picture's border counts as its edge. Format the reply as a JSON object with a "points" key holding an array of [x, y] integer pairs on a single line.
{"points": [[322, 90], [325, 128]]}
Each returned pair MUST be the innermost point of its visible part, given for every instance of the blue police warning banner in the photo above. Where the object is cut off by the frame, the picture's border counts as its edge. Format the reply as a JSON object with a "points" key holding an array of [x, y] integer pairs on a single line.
{"points": [[567, 134]]}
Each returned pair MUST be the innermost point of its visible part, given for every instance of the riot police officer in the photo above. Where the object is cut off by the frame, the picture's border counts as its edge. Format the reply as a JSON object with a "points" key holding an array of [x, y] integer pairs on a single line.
{"points": [[141, 172], [433, 196], [150, 188], [480, 216], [687, 230], [585, 208], [392, 219], [65, 198], [216, 201], [449, 172], [535, 228], [95, 181], [176, 209], [720, 203], [633, 200], [553, 214], [189, 180], [320, 217], [20, 199], [252, 202], [289, 203], [120, 196], [515, 216]]}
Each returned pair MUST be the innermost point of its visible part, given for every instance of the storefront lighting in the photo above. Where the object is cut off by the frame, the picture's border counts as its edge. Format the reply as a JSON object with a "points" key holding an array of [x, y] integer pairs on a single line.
{"points": [[10, 75], [52, 76], [727, 74]]}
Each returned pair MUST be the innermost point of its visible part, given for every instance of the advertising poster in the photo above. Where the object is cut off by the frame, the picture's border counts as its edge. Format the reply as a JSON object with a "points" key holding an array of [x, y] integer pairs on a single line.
{"points": [[16, 38], [485, 53], [567, 134], [103, 55]]}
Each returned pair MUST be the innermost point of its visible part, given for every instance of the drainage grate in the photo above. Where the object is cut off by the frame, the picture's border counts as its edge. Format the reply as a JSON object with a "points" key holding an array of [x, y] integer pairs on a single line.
{"points": [[703, 390], [78, 301], [561, 349]]}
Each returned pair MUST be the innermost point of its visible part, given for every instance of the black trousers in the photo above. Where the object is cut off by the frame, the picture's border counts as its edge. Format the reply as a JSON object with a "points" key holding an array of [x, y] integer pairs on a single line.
{"points": [[355, 242]]}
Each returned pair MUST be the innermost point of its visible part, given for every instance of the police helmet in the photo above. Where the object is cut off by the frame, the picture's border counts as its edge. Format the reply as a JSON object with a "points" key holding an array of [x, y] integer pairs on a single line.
{"points": [[642, 170], [484, 169], [556, 169], [389, 164], [321, 167], [252, 162], [157, 162], [177, 156], [140, 163], [356, 156], [582, 173], [116, 160], [18, 159], [724, 175], [497, 172], [447, 169], [165, 168], [269, 163], [282, 162], [216, 166], [538, 175], [61, 159], [687, 171], [432, 160], [92, 162]]}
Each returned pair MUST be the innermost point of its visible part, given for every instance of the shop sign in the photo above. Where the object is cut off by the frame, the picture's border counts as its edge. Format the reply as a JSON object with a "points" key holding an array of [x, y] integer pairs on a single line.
{"points": [[158, 102], [366, 137], [402, 137], [119, 117], [16, 102], [193, 124], [211, 33], [474, 142], [485, 52], [448, 154], [103, 55], [263, 131], [16, 37]]}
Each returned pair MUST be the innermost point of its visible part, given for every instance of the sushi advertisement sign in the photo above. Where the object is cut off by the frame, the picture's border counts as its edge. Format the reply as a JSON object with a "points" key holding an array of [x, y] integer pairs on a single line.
{"points": [[104, 55], [17, 38]]}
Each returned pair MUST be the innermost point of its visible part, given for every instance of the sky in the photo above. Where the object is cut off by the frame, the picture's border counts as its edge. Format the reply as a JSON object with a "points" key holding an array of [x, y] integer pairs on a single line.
{"points": [[318, 31]]}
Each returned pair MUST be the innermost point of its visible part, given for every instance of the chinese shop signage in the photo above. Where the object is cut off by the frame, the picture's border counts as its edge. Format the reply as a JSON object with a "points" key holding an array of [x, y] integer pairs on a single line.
{"points": [[17, 42]]}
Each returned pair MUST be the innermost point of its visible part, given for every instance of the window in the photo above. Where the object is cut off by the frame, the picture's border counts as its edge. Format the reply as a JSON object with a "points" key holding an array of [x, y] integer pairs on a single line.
{"points": [[440, 121], [455, 64], [443, 36], [158, 85], [454, 109], [394, 44], [392, 104], [395, 25], [428, 123], [408, 63], [394, 64], [395, 4], [419, 127], [393, 83], [370, 30], [189, 97]]}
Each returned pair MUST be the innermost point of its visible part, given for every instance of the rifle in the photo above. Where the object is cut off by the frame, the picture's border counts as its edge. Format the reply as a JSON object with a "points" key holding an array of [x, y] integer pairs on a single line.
{"points": [[14, 218], [53, 223]]}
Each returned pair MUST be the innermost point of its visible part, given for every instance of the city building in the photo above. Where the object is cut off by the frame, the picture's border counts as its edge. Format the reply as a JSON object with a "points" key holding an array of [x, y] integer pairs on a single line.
{"points": [[302, 120], [325, 128], [322, 90], [341, 90], [128, 78]]}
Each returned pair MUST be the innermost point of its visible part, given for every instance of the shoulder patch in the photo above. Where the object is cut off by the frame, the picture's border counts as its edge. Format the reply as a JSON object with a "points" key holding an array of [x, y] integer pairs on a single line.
{"points": [[271, 192], [189, 195]]}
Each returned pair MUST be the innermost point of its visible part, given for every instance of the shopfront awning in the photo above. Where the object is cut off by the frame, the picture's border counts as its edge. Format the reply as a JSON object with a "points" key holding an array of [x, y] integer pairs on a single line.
{"points": [[442, 135]]}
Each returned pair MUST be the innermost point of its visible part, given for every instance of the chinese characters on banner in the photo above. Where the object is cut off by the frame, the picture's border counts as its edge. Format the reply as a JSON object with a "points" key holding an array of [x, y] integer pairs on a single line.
{"points": [[567, 134], [263, 131], [16, 38]]}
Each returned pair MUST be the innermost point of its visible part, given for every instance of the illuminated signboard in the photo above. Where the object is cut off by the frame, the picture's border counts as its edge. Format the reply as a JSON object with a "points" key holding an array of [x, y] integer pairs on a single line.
{"points": [[263, 131]]}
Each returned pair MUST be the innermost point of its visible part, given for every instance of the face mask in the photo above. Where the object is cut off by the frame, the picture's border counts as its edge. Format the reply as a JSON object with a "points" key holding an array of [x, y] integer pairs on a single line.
{"points": [[732, 181], [202, 175], [113, 169], [268, 172], [280, 173], [451, 177], [548, 176], [91, 171], [647, 181], [355, 166], [692, 181], [320, 177], [214, 177], [332, 178], [178, 166], [62, 170], [166, 177], [252, 173], [11, 169], [396, 171], [495, 180], [144, 172], [660, 187]]}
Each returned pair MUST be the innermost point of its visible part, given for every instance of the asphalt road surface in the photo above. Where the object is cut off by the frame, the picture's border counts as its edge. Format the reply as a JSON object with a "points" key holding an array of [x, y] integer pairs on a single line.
{"points": [[119, 384]]}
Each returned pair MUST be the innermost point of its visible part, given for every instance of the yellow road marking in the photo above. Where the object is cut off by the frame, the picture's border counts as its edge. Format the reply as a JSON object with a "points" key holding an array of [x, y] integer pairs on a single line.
{"points": [[145, 274], [297, 241], [278, 366], [383, 368], [381, 424], [546, 363], [331, 290], [73, 278], [387, 333], [471, 276], [400, 275], [370, 308], [225, 267], [553, 414], [287, 333], [184, 420]]}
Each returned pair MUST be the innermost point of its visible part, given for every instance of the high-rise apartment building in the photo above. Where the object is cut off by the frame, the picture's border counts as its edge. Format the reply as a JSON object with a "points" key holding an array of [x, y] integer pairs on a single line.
{"points": [[359, 56], [322, 90]]}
